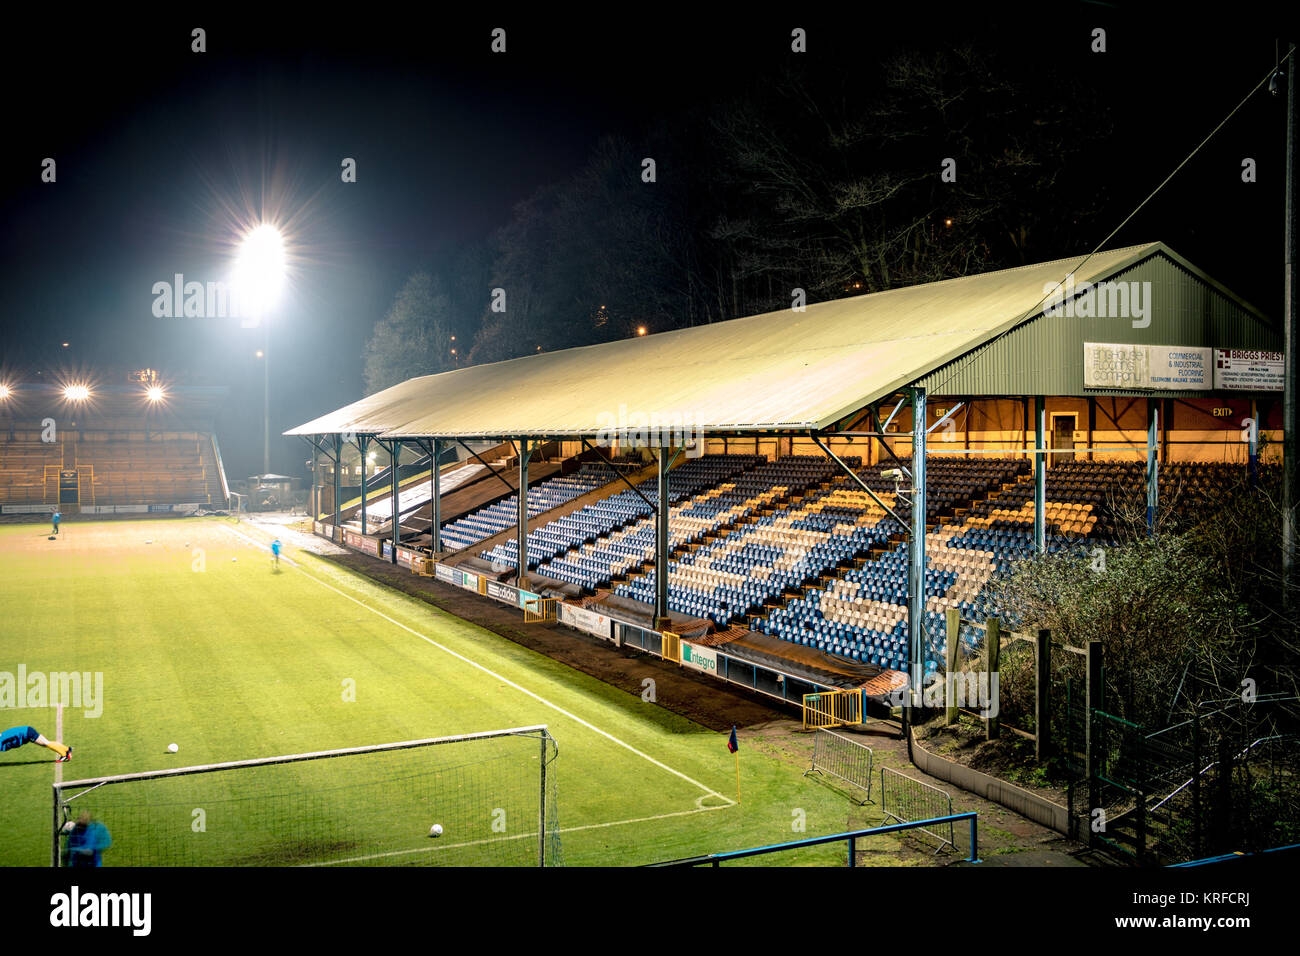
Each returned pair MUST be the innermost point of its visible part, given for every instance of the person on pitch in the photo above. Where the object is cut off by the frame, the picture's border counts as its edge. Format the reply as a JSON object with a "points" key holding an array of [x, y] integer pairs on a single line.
{"points": [[87, 841], [15, 737]]}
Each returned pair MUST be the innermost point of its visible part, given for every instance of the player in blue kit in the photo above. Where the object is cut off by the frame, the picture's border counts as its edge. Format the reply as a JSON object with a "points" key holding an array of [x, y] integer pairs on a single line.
{"points": [[87, 841], [275, 552], [15, 737]]}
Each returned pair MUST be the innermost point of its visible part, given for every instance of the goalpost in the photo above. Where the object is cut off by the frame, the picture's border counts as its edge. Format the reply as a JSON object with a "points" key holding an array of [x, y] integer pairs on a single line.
{"points": [[492, 794]]}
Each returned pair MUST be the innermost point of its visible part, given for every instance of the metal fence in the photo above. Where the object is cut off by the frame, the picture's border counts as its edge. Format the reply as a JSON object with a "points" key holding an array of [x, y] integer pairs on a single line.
{"points": [[843, 758], [852, 837], [1074, 759], [907, 800], [1216, 780]]}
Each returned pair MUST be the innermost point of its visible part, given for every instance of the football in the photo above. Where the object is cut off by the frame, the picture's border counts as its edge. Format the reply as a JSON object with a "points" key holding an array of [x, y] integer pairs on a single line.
{"points": [[172, 748], [435, 830]]}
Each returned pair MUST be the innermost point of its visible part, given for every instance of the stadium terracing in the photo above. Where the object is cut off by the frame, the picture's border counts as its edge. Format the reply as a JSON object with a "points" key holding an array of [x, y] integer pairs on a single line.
{"points": [[824, 486], [110, 449]]}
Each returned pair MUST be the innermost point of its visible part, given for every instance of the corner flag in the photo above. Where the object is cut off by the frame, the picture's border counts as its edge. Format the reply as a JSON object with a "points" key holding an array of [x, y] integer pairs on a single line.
{"points": [[732, 745]]}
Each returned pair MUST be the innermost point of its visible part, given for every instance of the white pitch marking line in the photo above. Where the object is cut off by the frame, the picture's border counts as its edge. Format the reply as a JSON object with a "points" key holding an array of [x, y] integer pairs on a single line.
{"points": [[513, 836], [523, 690], [259, 545]]}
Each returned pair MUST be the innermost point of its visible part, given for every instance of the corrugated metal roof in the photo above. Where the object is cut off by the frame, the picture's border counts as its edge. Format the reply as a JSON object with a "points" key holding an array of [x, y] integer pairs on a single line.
{"points": [[779, 371], [1044, 356], [376, 413]]}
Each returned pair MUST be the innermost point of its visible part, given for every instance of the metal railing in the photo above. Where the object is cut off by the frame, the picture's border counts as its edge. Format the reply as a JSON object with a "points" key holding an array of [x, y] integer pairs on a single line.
{"points": [[907, 798], [851, 837], [843, 758]]}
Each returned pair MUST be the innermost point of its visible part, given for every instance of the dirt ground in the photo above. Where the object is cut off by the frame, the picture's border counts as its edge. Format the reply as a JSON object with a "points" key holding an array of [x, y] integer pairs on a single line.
{"points": [[1005, 838]]}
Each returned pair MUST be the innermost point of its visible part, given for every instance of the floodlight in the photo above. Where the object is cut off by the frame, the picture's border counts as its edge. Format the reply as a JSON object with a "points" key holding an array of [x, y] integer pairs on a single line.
{"points": [[259, 269]]}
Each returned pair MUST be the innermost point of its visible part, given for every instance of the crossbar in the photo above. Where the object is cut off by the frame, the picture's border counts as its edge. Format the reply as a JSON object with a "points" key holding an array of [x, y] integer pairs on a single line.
{"points": [[94, 782]]}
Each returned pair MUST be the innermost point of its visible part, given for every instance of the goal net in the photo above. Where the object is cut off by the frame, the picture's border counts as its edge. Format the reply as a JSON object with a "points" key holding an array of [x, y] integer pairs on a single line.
{"points": [[491, 794]]}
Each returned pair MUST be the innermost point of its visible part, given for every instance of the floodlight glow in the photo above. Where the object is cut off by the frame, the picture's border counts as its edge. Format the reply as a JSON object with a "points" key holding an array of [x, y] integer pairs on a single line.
{"points": [[259, 269], [4, 392], [76, 393], [641, 330], [155, 393]]}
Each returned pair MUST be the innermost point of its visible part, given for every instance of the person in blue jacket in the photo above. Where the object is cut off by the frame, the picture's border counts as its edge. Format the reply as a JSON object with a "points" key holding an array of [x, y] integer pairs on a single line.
{"points": [[87, 841]]}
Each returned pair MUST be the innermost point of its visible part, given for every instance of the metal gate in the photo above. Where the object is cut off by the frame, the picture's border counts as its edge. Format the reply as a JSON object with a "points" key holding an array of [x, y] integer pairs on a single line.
{"points": [[832, 708], [539, 609]]}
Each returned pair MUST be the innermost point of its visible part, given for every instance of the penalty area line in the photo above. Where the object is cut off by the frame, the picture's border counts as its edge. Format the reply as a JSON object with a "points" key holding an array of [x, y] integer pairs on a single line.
{"points": [[709, 791]]}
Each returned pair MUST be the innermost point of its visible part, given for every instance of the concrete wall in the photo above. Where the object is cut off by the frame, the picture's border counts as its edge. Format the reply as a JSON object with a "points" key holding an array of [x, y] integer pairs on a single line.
{"points": [[1029, 805]]}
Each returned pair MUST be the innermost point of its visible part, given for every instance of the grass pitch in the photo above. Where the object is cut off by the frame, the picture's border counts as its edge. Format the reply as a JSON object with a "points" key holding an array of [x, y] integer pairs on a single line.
{"points": [[232, 660]]}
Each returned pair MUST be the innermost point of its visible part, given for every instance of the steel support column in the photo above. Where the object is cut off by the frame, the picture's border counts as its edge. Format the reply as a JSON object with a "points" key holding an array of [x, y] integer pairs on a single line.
{"points": [[1153, 464], [661, 541], [336, 535], [395, 450], [525, 452], [362, 442], [436, 495], [1040, 474], [916, 551], [314, 498]]}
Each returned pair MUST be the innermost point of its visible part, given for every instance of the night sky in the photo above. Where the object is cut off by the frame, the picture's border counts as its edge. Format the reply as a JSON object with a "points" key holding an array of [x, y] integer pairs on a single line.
{"points": [[161, 152]]}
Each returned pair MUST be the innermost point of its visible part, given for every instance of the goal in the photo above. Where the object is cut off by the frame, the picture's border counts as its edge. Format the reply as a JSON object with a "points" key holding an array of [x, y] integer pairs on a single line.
{"points": [[492, 794]]}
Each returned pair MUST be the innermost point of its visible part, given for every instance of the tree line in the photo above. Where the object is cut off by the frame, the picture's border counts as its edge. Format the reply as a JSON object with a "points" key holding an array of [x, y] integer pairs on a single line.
{"points": [[834, 178]]}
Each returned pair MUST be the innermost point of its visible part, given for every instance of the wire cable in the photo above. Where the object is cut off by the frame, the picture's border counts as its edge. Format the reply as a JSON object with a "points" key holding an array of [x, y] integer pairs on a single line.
{"points": [[958, 366]]}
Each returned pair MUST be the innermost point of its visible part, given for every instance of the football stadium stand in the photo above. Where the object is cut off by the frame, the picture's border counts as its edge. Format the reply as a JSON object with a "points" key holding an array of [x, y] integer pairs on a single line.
{"points": [[808, 494], [117, 457]]}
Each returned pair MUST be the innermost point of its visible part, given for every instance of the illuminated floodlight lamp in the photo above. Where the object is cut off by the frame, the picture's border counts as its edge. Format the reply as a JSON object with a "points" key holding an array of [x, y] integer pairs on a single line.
{"points": [[259, 269], [76, 393], [155, 393]]}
